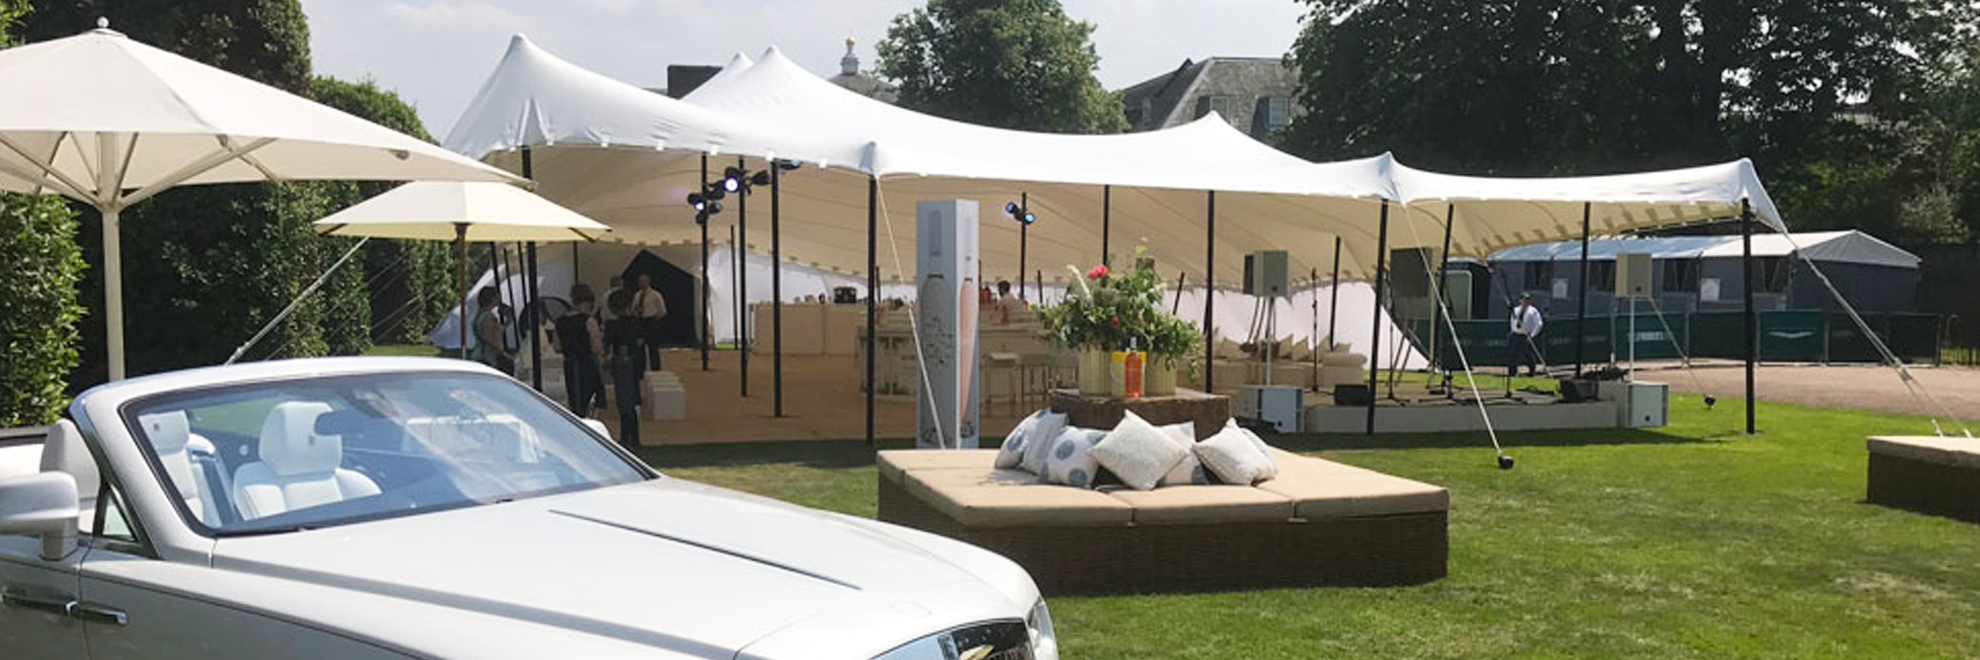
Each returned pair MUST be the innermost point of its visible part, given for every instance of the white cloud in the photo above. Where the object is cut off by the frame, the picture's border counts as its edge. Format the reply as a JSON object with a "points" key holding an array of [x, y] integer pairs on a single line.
{"points": [[465, 16]]}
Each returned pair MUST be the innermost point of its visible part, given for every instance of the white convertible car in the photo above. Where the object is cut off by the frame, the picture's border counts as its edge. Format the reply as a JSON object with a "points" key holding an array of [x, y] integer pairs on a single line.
{"points": [[427, 508]]}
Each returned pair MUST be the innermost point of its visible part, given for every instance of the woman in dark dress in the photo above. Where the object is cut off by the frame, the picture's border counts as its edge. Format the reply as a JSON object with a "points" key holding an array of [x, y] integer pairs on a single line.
{"points": [[626, 352], [582, 342]]}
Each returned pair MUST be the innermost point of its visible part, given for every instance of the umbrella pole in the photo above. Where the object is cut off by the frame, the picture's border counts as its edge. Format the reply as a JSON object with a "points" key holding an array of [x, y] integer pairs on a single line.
{"points": [[529, 294], [460, 268], [113, 293]]}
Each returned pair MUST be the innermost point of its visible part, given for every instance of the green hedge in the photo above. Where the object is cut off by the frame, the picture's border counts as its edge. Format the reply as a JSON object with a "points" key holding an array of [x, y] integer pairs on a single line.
{"points": [[40, 266]]}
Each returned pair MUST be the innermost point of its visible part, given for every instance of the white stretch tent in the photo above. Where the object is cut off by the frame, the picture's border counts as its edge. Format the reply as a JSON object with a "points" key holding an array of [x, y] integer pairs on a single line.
{"points": [[110, 122]]}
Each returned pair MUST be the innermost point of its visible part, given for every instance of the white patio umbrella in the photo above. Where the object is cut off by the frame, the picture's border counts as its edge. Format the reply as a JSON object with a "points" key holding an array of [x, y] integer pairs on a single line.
{"points": [[462, 212], [110, 122]]}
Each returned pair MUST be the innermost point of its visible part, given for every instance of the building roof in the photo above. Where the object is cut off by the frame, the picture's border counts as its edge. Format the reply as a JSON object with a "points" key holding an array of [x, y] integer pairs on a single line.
{"points": [[1172, 99], [863, 84], [1848, 246]]}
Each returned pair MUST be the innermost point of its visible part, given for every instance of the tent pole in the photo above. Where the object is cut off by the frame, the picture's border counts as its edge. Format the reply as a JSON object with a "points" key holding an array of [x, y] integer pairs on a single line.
{"points": [[1107, 222], [776, 299], [1581, 316], [1437, 304], [1752, 329], [530, 293], [1375, 337], [460, 268], [1024, 239], [1313, 356], [872, 291], [1209, 293], [703, 284], [735, 304], [742, 276]]}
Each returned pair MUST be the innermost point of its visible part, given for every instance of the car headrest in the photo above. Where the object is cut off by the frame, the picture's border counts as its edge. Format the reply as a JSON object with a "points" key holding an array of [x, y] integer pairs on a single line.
{"points": [[290, 445], [64, 451], [168, 432]]}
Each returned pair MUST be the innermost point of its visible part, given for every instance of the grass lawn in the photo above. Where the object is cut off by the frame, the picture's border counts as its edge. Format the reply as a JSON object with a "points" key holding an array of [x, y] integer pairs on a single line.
{"points": [[1687, 542], [414, 350]]}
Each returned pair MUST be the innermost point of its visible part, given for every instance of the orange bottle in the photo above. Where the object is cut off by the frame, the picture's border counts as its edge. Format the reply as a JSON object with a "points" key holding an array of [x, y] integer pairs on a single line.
{"points": [[1132, 366]]}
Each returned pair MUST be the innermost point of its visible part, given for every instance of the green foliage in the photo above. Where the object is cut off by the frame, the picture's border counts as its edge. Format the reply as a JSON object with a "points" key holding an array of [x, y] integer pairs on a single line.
{"points": [[1828, 98], [267, 40], [41, 265], [1019, 64], [1114, 311]]}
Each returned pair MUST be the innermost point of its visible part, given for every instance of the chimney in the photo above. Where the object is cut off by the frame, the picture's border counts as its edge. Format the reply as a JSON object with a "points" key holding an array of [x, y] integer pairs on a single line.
{"points": [[849, 65]]}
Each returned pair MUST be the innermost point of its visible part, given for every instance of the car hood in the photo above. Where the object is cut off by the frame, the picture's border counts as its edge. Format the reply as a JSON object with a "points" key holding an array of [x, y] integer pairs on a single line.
{"points": [[667, 563]]}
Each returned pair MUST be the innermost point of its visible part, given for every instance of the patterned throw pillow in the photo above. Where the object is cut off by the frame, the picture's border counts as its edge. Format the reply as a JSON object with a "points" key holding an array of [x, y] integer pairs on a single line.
{"points": [[1138, 452], [1069, 457], [1011, 453], [1236, 456], [1189, 471], [1039, 439]]}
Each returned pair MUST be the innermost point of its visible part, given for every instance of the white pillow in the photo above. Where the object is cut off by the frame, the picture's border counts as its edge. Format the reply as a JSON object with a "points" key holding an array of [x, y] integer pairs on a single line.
{"points": [[1235, 457], [1039, 440], [1189, 471], [1011, 453], [1069, 457], [1137, 452], [1271, 464]]}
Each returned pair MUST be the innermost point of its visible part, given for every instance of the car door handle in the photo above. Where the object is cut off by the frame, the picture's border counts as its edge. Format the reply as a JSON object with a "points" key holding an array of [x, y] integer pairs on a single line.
{"points": [[94, 613], [46, 602]]}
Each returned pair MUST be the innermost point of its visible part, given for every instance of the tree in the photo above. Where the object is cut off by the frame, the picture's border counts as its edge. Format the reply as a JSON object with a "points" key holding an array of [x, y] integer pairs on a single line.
{"points": [[41, 265], [1019, 64]]}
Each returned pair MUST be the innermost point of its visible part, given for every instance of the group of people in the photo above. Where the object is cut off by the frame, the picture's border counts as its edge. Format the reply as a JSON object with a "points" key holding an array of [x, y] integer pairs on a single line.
{"points": [[624, 341]]}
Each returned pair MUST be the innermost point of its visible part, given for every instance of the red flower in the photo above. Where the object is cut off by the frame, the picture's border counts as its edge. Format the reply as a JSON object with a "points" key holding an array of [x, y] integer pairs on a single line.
{"points": [[1116, 323], [1098, 272]]}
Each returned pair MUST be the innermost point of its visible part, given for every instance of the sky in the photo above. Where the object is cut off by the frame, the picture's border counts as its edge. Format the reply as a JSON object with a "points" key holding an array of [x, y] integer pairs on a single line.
{"points": [[436, 53]]}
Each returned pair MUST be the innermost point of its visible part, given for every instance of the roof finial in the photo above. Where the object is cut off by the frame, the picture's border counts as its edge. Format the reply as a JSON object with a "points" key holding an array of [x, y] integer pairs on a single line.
{"points": [[102, 22], [849, 65]]}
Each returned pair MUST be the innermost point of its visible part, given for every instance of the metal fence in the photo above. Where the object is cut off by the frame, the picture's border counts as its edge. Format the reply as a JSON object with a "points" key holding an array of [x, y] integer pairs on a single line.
{"points": [[1784, 336]]}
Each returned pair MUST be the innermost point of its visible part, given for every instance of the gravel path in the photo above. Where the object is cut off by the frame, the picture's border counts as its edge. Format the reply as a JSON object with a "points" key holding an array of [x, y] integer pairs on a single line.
{"points": [[1860, 387]]}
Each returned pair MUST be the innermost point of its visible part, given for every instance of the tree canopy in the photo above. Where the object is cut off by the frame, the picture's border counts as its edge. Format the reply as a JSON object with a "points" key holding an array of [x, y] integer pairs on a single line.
{"points": [[1829, 98], [1019, 64]]}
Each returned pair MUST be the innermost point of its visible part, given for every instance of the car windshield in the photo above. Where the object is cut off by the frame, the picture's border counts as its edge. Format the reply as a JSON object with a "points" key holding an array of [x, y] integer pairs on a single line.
{"points": [[315, 452]]}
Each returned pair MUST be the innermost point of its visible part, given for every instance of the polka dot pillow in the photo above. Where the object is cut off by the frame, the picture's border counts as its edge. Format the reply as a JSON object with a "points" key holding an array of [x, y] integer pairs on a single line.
{"points": [[1011, 454], [1069, 458]]}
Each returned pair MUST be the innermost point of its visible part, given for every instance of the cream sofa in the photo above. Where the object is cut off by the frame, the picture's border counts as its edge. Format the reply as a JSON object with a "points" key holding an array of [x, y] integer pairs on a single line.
{"points": [[1318, 523]]}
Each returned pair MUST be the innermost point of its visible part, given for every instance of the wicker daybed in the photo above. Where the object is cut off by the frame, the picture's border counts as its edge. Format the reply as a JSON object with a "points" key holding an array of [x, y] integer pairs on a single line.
{"points": [[1927, 474], [1317, 523]]}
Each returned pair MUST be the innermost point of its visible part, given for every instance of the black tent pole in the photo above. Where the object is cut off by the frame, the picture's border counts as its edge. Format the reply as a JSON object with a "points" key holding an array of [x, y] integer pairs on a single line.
{"points": [[1209, 293], [1444, 296], [1024, 238], [530, 305], [1313, 356], [1106, 223], [1334, 295], [776, 299], [701, 310], [1375, 337], [1581, 316], [742, 276], [1752, 327], [872, 291]]}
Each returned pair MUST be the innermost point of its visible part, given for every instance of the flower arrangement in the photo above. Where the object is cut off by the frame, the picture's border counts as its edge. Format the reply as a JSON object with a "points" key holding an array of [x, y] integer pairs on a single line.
{"points": [[1109, 311]]}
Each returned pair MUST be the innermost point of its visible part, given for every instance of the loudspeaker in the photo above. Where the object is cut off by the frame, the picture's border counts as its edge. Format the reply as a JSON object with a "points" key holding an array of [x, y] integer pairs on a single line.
{"points": [[1356, 394], [1576, 390], [1410, 270], [1265, 273], [1633, 275]]}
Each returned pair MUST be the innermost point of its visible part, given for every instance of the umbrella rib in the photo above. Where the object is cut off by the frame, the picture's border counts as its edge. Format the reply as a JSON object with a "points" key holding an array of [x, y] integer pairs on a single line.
{"points": [[194, 169], [226, 143], [47, 169]]}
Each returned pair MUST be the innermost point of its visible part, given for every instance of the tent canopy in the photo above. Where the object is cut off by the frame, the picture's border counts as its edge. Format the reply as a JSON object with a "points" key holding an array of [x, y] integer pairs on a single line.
{"points": [[1265, 199], [1848, 246]]}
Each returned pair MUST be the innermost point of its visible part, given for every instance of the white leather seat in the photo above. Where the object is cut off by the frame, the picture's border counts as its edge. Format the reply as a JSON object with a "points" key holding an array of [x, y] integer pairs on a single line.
{"points": [[171, 437], [298, 468], [65, 452]]}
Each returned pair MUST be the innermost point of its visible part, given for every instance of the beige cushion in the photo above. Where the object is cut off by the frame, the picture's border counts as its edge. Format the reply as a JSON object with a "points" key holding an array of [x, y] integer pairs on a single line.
{"points": [[893, 462], [1206, 504], [1958, 452], [1295, 463], [1002, 499], [1343, 359], [1323, 495]]}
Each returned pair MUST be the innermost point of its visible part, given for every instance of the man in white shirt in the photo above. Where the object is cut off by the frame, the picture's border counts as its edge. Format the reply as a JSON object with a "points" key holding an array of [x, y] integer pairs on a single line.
{"points": [[1523, 343], [648, 307], [617, 284]]}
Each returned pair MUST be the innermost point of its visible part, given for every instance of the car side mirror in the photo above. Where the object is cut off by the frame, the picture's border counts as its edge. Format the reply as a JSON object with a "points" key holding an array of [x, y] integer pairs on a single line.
{"points": [[598, 427], [41, 504]]}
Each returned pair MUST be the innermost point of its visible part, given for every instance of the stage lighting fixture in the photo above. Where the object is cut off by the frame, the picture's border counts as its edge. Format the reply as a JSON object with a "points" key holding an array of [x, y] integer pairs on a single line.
{"points": [[695, 200], [714, 192], [1011, 208], [760, 178], [787, 165], [1029, 218]]}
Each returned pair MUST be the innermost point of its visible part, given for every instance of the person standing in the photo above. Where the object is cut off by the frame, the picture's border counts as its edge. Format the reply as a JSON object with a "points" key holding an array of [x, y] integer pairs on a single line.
{"points": [[618, 284], [490, 334], [648, 307], [1523, 342], [582, 342], [623, 345]]}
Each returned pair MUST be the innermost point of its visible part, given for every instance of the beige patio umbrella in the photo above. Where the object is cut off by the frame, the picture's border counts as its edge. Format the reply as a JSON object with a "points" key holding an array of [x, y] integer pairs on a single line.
{"points": [[110, 122], [462, 212]]}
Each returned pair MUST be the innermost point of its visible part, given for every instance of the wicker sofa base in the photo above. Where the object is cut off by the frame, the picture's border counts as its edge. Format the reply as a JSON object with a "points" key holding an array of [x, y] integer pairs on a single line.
{"points": [[1924, 486], [1371, 551]]}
